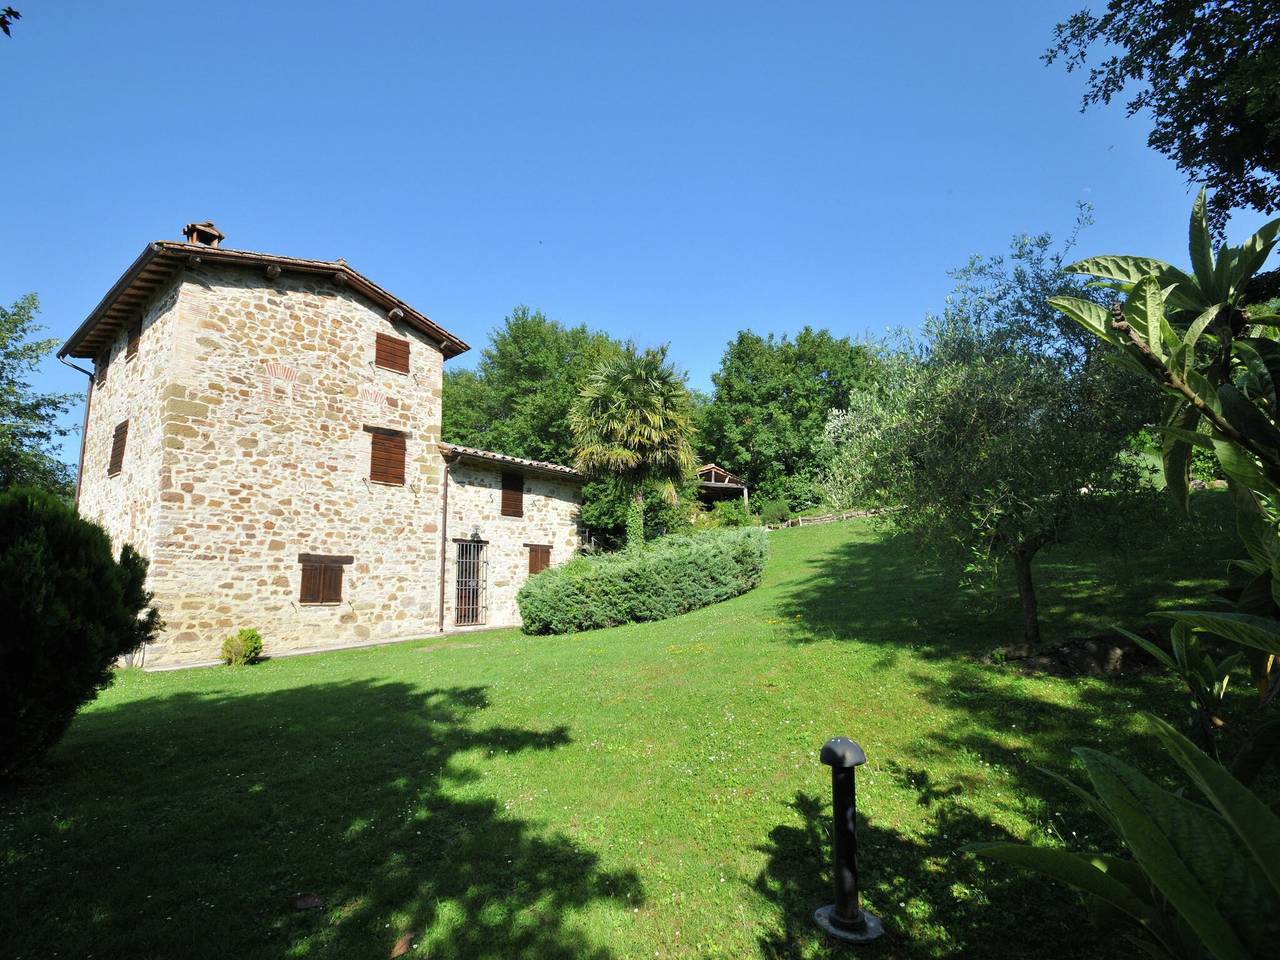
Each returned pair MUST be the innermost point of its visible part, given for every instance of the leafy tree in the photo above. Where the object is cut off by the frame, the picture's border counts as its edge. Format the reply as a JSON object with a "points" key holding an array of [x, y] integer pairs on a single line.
{"points": [[1204, 878], [7, 16], [633, 424], [772, 397], [517, 401], [1004, 429], [28, 418], [1207, 72], [607, 503], [71, 610]]}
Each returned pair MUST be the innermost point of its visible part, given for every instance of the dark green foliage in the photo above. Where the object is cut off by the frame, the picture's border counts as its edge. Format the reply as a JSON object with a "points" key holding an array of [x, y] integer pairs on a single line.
{"points": [[633, 426], [517, 400], [605, 504], [1009, 427], [242, 647], [29, 426], [70, 611], [732, 513], [774, 511], [664, 579], [772, 398], [1205, 72]]}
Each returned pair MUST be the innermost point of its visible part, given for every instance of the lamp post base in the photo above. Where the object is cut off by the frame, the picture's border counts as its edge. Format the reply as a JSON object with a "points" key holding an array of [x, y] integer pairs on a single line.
{"points": [[869, 929]]}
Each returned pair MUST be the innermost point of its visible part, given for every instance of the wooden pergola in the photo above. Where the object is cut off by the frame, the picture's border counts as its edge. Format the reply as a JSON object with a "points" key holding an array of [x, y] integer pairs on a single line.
{"points": [[715, 483]]}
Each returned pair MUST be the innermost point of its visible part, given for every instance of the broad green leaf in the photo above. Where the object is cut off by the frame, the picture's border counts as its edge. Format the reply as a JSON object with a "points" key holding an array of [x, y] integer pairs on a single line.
{"points": [[1265, 319], [1193, 335], [1175, 459], [1184, 848], [1239, 465], [1145, 311], [1193, 437], [1201, 244], [1087, 798], [1076, 869], [1161, 656], [1221, 288], [1245, 416], [1175, 456], [1256, 532], [1126, 269], [1253, 821], [1253, 254], [1261, 633], [1261, 358], [1092, 316]]}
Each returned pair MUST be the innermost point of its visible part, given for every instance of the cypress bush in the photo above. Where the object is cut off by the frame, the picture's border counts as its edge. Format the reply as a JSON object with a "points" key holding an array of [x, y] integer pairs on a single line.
{"points": [[71, 610], [242, 647], [665, 578]]}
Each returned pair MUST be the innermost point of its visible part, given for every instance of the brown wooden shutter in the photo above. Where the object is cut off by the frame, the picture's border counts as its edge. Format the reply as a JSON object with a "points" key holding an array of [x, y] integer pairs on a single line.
{"points": [[512, 495], [311, 576], [135, 336], [391, 353], [330, 583], [386, 457], [118, 440], [321, 577], [539, 558]]}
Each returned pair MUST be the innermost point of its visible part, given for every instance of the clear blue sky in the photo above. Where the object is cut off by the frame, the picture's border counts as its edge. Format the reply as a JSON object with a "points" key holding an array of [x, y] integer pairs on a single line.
{"points": [[669, 172]]}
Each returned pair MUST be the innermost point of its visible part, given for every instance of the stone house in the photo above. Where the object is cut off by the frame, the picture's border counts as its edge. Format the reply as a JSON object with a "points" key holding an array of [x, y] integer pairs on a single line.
{"points": [[266, 430]]}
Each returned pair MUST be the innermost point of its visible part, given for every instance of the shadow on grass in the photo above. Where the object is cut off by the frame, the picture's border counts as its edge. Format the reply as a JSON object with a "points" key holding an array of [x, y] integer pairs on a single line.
{"points": [[934, 902], [888, 590], [185, 827]]}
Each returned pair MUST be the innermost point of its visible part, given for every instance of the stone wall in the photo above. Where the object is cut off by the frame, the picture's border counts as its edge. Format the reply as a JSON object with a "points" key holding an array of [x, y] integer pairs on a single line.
{"points": [[249, 405], [551, 509], [127, 504]]}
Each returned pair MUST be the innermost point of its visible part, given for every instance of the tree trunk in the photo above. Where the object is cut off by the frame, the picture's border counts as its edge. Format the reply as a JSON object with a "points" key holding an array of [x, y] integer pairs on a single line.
{"points": [[635, 521], [1027, 594]]}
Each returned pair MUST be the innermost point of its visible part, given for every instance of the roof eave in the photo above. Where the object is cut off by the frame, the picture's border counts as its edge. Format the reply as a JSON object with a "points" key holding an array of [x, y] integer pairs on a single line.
{"points": [[449, 344], [119, 287]]}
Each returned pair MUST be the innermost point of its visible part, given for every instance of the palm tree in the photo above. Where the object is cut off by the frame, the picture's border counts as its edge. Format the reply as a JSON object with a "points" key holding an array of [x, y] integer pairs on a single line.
{"points": [[632, 423]]}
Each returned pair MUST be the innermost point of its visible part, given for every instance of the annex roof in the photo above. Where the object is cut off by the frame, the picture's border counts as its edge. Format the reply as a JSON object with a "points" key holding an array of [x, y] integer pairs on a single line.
{"points": [[160, 260], [452, 451], [711, 474]]}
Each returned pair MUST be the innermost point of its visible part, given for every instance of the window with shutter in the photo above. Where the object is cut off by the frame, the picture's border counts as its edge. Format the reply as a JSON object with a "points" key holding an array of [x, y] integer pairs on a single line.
{"points": [[135, 336], [539, 557], [321, 580], [513, 495], [118, 440], [386, 456], [391, 353]]}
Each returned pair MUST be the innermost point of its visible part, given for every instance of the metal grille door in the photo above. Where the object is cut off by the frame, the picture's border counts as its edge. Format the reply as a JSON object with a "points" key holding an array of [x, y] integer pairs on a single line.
{"points": [[470, 575]]}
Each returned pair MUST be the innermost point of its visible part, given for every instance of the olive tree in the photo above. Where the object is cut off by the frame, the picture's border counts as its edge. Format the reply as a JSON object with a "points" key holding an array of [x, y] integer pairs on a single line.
{"points": [[1003, 427]]}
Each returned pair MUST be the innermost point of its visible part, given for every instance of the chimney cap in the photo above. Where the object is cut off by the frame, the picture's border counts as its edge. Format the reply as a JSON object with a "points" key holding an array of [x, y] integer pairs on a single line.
{"points": [[203, 232]]}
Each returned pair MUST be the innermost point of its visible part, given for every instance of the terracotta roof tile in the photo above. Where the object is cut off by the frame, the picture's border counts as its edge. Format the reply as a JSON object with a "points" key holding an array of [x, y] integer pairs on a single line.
{"points": [[452, 450]]}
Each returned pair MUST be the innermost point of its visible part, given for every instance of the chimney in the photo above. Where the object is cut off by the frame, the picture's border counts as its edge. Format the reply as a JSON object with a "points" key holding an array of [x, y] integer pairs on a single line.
{"points": [[204, 233]]}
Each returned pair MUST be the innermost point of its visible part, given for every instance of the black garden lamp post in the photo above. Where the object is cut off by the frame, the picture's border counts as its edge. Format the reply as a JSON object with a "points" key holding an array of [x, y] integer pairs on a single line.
{"points": [[845, 920]]}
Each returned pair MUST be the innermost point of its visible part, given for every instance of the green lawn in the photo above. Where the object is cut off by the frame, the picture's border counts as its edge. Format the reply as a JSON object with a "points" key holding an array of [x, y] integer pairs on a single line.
{"points": [[647, 791]]}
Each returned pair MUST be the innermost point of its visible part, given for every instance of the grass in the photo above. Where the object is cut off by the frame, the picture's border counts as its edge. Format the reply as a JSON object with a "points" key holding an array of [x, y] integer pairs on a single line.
{"points": [[645, 791]]}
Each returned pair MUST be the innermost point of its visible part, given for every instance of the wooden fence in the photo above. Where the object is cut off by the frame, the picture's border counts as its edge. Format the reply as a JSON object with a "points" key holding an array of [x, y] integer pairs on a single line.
{"points": [[824, 518]]}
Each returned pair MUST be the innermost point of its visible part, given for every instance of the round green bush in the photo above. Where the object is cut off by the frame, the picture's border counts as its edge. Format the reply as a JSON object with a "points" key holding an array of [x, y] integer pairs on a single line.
{"points": [[71, 611], [775, 511], [663, 579], [242, 648]]}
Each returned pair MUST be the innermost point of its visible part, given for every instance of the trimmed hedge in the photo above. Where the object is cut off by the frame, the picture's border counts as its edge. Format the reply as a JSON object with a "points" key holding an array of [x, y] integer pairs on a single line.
{"points": [[666, 578]]}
